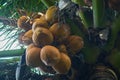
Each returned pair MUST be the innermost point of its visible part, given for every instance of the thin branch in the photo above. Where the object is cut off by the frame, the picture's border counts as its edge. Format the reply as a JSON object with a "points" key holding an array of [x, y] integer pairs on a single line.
{"points": [[8, 21]]}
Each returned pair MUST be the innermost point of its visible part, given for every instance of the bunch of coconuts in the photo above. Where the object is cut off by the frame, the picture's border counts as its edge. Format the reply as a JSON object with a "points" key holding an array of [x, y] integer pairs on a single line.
{"points": [[49, 43]]}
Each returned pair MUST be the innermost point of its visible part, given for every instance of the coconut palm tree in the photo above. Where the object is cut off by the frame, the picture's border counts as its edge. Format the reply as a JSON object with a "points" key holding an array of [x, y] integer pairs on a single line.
{"points": [[96, 21]]}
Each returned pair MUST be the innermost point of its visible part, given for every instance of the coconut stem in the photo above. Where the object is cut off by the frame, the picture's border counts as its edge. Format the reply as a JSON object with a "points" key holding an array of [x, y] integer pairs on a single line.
{"points": [[85, 20], [98, 12]]}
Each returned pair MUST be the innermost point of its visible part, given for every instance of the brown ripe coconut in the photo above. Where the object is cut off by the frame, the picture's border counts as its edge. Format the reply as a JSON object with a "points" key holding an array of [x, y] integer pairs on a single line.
{"points": [[30, 46], [35, 16], [33, 56], [27, 37], [42, 36], [24, 23], [33, 59], [60, 31], [50, 55], [40, 22], [64, 65], [51, 14], [62, 48], [74, 44]]}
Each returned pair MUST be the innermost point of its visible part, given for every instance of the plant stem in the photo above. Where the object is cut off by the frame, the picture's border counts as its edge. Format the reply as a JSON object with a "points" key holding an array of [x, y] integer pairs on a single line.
{"points": [[98, 12], [86, 21], [11, 53]]}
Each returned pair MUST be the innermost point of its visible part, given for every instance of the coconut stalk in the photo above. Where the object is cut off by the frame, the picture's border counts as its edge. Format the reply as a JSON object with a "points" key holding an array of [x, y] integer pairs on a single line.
{"points": [[11, 53], [86, 22], [98, 13], [81, 13]]}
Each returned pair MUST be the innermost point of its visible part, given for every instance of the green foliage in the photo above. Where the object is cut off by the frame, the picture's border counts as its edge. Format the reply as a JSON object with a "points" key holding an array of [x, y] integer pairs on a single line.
{"points": [[9, 8]]}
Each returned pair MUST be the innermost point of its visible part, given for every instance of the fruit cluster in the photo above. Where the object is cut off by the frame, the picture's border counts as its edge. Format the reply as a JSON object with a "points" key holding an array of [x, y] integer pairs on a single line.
{"points": [[49, 42]]}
